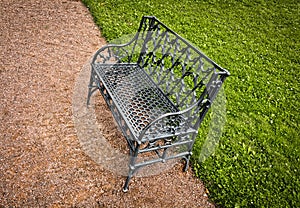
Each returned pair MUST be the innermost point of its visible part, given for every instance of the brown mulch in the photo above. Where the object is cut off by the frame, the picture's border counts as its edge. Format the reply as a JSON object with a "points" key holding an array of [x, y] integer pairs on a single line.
{"points": [[44, 44]]}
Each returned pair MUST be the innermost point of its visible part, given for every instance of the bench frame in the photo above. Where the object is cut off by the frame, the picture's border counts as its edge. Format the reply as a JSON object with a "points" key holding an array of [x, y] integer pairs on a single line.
{"points": [[157, 66]]}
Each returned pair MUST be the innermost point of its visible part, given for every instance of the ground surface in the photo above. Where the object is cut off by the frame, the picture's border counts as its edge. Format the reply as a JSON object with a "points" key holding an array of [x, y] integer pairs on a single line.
{"points": [[44, 45]]}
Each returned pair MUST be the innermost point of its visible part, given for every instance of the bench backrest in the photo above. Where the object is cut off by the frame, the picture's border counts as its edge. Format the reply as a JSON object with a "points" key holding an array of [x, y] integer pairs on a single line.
{"points": [[181, 71]]}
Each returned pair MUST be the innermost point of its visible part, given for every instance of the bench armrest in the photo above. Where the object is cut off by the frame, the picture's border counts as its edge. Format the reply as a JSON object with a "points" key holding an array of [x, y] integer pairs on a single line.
{"points": [[176, 123], [114, 53]]}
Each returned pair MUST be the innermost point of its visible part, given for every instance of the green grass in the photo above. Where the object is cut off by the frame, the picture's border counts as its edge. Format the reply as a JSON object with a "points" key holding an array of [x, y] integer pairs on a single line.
{"points": [[257, 162]]}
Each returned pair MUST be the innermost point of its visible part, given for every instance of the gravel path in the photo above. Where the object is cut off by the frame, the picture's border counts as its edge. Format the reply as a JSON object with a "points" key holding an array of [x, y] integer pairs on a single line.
{"points": [[44, 45]]}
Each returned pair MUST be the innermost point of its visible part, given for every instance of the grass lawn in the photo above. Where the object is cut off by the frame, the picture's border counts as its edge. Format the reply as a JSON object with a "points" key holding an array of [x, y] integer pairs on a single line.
{"points": [[257, 162]]}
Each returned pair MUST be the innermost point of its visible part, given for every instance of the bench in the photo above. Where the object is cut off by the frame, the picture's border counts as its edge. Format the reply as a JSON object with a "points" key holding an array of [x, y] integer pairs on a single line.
{"points": [[158, 88]]}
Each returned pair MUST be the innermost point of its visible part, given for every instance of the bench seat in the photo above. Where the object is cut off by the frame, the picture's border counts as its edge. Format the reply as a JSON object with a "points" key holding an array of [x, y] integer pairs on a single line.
{"points": [[138, 99]]}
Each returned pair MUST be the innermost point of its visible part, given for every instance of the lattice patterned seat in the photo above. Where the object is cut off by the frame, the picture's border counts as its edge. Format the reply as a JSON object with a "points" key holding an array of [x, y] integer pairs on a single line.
{"points": [[159, 88]]}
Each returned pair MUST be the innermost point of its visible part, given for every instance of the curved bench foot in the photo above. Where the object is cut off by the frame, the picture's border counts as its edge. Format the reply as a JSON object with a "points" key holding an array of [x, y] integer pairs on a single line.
{"points": [[126, 185]]}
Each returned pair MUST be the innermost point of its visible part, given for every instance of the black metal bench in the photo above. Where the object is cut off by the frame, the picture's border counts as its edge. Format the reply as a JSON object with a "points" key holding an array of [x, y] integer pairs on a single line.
{"points": [[158, 88]]}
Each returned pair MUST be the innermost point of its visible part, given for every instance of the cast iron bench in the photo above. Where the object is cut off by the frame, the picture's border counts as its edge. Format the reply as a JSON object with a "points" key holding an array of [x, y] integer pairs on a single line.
{"points": [[158, 88]]}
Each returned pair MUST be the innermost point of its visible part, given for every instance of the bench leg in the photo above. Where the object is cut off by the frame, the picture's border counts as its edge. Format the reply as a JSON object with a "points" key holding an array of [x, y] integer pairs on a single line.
{"points": [[90, 92], [131, 172], [91, 87], [187, 161], [126, 185], [89, 96], [132, 167], [188, 157]]}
